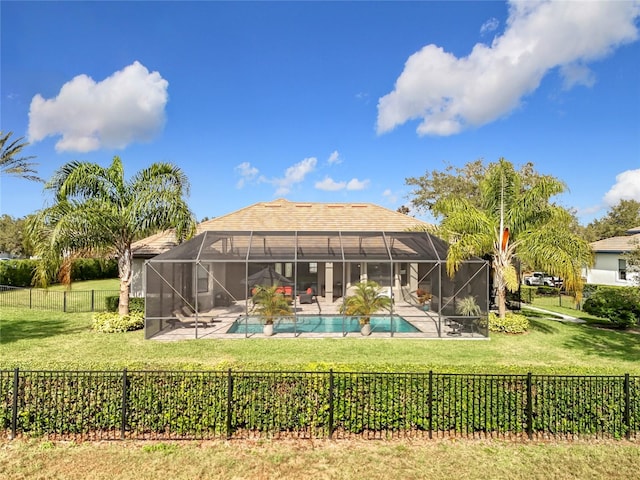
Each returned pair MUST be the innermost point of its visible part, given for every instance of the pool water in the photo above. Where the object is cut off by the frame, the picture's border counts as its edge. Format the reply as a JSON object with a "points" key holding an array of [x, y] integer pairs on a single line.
{"points": [[322, 324]]}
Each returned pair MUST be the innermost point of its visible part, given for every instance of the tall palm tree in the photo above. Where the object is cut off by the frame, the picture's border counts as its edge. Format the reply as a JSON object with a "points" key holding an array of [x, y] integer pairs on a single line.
{"points": [[514, 221], [96, 210], [11, 163]]}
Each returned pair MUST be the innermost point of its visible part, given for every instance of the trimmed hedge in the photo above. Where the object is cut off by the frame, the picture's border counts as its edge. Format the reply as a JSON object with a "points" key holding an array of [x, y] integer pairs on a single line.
{"points": [[19, 273], [110, 322], [240, 404], [136, 304], [511, 323]]}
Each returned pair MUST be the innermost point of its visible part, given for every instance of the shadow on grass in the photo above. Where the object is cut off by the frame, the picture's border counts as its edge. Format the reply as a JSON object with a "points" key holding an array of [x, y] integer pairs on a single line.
{"points": [[19, 328], [543, 327], [599, 342]]}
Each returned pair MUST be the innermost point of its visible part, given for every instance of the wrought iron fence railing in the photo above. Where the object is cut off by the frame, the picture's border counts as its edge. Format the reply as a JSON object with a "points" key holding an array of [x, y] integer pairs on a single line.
{"points": [[229, 404], [55, 300]]}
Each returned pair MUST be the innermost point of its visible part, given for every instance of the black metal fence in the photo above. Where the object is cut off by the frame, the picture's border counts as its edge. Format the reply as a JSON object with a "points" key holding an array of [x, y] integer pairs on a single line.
{"points": [[205, 405], [56, 300]]}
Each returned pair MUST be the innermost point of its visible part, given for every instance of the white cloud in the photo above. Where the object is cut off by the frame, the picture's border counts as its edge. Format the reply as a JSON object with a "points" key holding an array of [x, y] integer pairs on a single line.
{"points": [[126, 107], [627, 187], [355, 184], [334, 158], [450, 94], [247, 173], [390, 196], [577, 74], [330, 185], [294, 174], [489, 26]]}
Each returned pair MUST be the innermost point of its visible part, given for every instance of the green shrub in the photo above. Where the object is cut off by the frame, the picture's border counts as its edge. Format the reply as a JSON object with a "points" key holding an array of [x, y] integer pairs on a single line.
{"points": [[17, 273], [621, 305], [93, 269], [527, 293], [546, 291], [136, 304], [110, 322], [511, 323]]}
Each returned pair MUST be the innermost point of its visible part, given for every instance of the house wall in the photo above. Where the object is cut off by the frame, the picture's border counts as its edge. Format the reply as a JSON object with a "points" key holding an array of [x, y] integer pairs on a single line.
{"points": [[137, 277], [605, 271]]}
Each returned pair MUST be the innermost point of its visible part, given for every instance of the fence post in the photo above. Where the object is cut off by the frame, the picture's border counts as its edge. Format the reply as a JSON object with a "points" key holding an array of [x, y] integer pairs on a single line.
{"points": [[529, 407], [92, 300], [123, 420], [430, 406], [627, 406], [14, 405], [30, 299], [64, 301], [229, 403], [330, 403]]}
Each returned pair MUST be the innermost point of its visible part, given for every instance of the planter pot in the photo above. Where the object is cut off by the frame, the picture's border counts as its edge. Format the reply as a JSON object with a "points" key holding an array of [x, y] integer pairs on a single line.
{"points": [[365, 329], [267, 330], [426, 307]]}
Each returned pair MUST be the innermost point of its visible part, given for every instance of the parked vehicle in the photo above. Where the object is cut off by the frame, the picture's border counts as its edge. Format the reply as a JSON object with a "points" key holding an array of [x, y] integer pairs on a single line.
{"points": [[540, 279]]}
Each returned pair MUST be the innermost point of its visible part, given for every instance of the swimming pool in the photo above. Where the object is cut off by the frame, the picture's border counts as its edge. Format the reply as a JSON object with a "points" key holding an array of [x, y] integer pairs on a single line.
{"points": [[323, 324]]}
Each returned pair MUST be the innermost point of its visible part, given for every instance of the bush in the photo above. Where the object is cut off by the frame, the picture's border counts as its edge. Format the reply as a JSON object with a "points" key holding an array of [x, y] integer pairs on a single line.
{"points": [[136, 304], [110, 322], [547, 291], [17, 273], [511, 323], [93, 269], [621, 305]]}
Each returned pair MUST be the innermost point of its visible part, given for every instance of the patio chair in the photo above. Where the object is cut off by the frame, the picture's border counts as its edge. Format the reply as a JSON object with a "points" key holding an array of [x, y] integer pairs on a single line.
{"points": [[306, 297]]}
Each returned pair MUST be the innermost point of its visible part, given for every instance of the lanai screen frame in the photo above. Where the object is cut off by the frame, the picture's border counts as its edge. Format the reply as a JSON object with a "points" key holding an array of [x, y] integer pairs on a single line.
{"points": [[179, 270]]}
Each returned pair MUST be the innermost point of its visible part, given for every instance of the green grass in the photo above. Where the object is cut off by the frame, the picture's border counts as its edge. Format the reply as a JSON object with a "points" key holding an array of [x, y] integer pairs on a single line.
{"points": [[103, 284], [342, 459], [37, 339]]}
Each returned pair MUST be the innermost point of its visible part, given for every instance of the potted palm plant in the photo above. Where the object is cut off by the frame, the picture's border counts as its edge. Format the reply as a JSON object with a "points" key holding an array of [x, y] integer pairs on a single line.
{"points": [[468, 307], [269, 303], [366, 300]]}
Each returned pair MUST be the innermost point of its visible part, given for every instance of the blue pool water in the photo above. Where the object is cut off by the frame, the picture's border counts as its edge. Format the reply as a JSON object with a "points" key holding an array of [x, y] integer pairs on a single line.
{"points": [[323, 324]]}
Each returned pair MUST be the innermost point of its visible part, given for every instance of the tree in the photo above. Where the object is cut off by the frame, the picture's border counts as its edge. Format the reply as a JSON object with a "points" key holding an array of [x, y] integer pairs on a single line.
{"points": [[633, 262], [11, 235], [512, 219], [11, 163], [620, 218], [97, 211]]}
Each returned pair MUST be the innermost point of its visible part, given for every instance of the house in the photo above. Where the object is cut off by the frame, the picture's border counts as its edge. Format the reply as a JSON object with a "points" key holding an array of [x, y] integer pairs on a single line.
{"points": [[610, 265], [318, 250], [279, 216]]}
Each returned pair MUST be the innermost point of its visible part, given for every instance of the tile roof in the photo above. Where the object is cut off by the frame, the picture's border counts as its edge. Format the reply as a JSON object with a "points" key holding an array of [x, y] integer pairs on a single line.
{"points": [[283, 215], [624, 243]]}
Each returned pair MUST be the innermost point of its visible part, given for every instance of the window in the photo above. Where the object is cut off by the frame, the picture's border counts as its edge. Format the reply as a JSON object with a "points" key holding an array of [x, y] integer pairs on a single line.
{"points": [[203, 278], [379, 273], [622, 269]]}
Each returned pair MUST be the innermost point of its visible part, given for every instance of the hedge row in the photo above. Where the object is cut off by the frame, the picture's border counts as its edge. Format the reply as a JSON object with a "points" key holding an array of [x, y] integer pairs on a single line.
{"points": [[19, 273], [236, 404]]}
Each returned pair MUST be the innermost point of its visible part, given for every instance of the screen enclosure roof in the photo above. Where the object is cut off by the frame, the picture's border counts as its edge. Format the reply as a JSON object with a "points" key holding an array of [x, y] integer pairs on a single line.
{"points": [[308, 246]]}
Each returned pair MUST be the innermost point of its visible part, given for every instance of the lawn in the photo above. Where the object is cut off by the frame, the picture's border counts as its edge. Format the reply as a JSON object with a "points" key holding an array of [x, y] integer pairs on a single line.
{"points": [[446, 459], [54, 340]]}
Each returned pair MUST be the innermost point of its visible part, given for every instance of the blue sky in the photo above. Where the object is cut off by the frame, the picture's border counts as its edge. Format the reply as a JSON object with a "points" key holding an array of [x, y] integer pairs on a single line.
{"points": [[325, 101]]}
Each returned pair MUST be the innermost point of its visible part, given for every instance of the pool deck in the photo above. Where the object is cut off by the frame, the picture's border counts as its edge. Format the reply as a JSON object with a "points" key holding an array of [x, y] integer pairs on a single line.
{"points": [[215, 324]]}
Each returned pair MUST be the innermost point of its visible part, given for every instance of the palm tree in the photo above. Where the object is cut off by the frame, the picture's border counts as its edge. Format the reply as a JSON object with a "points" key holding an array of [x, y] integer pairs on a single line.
{"points": [[366, 300], [269, 303], [10, 163], [97, 211], [515, 220]]}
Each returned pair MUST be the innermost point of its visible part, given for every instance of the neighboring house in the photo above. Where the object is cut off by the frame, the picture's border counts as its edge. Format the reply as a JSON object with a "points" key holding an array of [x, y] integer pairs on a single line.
{"points": [[610, 266], [280, 215]]}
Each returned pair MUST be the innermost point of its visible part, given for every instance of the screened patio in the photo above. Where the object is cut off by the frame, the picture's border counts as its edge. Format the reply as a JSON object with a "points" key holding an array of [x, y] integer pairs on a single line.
{"points": [[203, 288]]}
